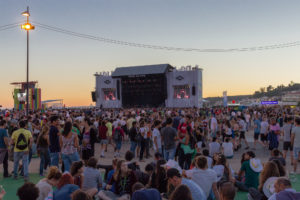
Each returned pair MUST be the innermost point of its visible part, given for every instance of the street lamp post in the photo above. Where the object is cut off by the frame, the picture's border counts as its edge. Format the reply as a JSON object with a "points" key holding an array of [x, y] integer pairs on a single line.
{"points": [[27, 26]]}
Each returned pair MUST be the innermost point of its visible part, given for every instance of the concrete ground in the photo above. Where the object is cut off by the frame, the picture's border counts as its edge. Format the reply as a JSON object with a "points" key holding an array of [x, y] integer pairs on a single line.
{"points": [[260, 152]]}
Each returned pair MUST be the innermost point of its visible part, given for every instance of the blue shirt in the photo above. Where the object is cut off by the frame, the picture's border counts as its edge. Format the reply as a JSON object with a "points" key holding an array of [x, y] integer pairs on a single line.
{"points": [[65, 192], [146, 194], [3, 133], [110, 176], [197, 192], [257, 126]]}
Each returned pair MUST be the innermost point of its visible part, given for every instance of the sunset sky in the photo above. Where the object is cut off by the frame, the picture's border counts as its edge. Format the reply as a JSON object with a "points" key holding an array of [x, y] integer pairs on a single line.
{"points": [[64, 65]]}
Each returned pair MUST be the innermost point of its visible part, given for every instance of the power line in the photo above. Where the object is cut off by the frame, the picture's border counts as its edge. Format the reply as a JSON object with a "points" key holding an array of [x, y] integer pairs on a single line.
{"points": [[9, 26]]}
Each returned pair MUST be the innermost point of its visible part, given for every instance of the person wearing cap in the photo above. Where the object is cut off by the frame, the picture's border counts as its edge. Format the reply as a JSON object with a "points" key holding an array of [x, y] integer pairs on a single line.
{"points": [[175, 179], [251, 168]]}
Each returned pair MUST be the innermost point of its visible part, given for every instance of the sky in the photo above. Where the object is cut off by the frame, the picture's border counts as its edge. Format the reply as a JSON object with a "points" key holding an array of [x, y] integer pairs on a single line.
{"points": [[64, 65]]}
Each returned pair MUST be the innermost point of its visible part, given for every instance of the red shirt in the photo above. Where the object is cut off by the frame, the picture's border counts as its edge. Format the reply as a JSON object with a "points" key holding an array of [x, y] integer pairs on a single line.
{"points": [[182, 129], [102, 132]]}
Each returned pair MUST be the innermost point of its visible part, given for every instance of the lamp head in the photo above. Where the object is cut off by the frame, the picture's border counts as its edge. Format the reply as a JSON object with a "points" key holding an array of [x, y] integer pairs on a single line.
{"points": [[26, 13]]}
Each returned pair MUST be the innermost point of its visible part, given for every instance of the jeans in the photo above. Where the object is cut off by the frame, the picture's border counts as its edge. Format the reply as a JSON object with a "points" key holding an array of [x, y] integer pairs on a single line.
{"points": [[143, 146], [133, 146], [5, 165], [17, 157], [169, 154], [54, 159], [45, 159], [147, 147], [68, 159]]}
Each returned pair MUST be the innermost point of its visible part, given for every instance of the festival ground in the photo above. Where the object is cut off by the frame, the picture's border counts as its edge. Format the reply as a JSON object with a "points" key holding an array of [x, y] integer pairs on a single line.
{"points": [[11, 185]]}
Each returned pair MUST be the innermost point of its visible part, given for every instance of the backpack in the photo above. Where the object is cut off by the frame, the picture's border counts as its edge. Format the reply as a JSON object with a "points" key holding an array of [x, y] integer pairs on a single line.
{"points": [[21, 143], [117, 135]]}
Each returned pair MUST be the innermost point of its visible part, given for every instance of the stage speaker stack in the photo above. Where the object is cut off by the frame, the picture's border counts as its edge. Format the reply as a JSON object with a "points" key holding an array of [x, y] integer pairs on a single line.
{"points": [[94, 96], [118, 89]]}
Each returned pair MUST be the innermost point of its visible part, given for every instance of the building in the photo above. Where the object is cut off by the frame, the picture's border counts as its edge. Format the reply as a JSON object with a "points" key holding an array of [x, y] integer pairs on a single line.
{"points": [[149, 86], [293, 96]]}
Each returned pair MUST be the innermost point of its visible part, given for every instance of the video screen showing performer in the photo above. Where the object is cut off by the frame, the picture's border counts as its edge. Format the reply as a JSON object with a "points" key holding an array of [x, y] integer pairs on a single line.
{"points": [[181, 92]]}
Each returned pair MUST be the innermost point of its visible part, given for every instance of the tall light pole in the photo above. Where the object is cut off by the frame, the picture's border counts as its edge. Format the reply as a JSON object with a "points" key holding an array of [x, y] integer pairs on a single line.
{"points": [[27, 26]]}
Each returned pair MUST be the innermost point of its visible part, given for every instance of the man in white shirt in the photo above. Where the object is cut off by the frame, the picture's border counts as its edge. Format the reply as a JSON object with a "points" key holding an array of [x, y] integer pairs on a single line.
{"points": [[157, 137], [201, 173], [214, 147]]}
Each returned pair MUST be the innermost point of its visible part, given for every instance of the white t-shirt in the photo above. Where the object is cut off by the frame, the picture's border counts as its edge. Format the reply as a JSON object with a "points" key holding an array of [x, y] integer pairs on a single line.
{"points": [[44, 188], [156, 134], [219, 169], [209, 161], [213, 124], [296, 131], [228, 149], [144, 131], [198, 175], [264, 127], [214, 147]]}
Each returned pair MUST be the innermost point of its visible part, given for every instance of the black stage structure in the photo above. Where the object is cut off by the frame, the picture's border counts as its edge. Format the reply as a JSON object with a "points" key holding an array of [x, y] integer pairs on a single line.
{"points": [[142, 86]]}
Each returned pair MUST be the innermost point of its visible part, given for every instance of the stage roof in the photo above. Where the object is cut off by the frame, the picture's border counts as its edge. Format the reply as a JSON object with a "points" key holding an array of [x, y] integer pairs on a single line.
{"points": [[141, 70]]}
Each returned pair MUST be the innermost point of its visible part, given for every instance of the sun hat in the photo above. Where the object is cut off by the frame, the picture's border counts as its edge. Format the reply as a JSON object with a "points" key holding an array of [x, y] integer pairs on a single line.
{"points": [[255, 165]]}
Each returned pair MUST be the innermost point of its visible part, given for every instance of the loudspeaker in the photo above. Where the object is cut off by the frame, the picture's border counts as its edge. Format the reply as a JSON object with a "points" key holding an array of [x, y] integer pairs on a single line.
{"points": [[193, 90], [94, 96], [118, 89]]}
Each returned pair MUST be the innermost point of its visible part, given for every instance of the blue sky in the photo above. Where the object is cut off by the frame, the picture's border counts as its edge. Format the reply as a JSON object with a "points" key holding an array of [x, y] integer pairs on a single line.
{"points": [[64, 65]]}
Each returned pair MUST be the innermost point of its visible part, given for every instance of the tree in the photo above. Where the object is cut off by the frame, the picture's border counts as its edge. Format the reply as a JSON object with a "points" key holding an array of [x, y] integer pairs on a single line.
{"points": [[262, 90], [270, 88]]}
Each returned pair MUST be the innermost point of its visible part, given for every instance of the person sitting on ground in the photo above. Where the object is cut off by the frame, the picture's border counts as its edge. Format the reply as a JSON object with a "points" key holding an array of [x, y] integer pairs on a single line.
{"points": [[277, 155], [227, 191], [251, 168], [139, 192], [214, 147], [181, 192], [200, 173], [144, 177], [227, 148], [65, 187], [159, 177], [284, 190], [131, 164], [222, 169], [45, 185], [123, 179], [111, 173], [92, 177], [28, 192], [205, 153], [281, 168], [77, 173], [270, 170], [175, 179], [80, 195]]}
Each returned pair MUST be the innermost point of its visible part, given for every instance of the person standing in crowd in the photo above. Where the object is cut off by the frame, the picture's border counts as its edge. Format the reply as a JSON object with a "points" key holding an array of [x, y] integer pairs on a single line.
{"points": [[22, 140], [143, 131], [264, 127], [133, 136], [175, 179], [4, 145], [296, 142], [213, 126], [257, 127], [109, 132], [287, 132], [118, 135], [86, 146], [157, 137], [169, 136], [274, 132], [43, 149], [69, 145], [54, 136], [243, 130], [103, 137]]}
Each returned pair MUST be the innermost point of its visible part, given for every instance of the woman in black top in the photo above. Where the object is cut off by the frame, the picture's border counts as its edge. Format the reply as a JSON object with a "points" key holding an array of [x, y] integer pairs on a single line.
{"points": [[159, 177], [43, 149]]}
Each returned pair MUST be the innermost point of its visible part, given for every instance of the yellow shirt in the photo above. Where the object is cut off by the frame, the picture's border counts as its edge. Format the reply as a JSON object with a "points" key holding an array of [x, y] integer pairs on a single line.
{"points": [[15, 136]]}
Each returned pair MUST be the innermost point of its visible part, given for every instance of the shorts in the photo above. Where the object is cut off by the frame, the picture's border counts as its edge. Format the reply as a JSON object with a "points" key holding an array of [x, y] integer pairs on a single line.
{"points": [[256, 136], [287, 146], [263, 137], [236, 133], [118, 144], [104, 141], [242, 135], [296, 152]]}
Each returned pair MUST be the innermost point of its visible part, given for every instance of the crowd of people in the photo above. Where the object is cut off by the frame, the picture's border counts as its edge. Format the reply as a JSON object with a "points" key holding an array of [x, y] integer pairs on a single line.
{"points": [[190, 153]]}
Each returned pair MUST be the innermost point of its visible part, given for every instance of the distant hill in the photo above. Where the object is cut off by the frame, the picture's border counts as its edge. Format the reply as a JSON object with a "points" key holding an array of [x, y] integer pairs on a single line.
{"points": [[269, 91]]}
